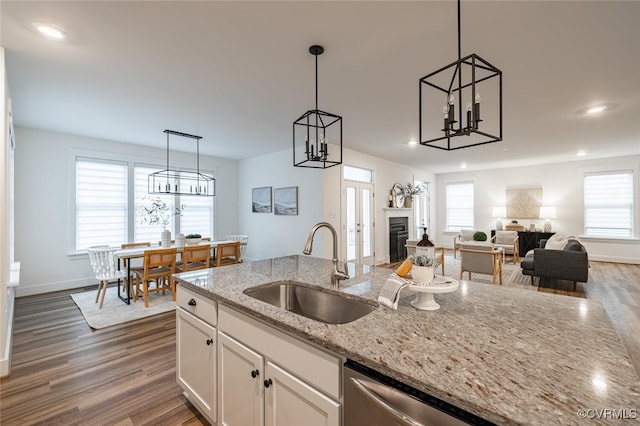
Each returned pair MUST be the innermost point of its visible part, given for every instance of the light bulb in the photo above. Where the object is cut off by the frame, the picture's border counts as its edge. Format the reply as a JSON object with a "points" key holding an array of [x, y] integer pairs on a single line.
{"points": [[478, 98], [452, 100], [468, 106]]}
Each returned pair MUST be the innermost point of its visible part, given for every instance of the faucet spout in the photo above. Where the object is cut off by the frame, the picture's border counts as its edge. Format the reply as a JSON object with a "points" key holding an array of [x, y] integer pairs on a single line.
{"points": [[337, 273]]}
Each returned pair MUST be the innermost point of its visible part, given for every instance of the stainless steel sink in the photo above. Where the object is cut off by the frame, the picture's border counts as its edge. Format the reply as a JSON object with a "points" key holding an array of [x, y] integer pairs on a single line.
{"points": [[313, 303]]}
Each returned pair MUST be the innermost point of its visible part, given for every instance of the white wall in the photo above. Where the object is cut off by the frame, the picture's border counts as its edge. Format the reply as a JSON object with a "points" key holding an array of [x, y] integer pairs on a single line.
{"points": [[45, 206], [273, 235], [6, 294], [561, 187]]}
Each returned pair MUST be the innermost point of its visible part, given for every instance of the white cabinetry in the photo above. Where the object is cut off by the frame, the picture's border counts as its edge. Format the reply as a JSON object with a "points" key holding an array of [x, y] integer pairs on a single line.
{"points": [[196, 350], [270, 378]]}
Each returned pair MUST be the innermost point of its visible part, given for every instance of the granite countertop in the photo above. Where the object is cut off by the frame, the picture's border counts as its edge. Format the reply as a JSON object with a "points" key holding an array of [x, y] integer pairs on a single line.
{"points": [[508, 355]]}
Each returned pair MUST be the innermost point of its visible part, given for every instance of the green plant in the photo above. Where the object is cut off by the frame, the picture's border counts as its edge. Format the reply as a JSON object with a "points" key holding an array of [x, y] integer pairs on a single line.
{"points": [[409, 190], [514, 221], [158, 213], [193, 236], [479, 236], [422, 260]]}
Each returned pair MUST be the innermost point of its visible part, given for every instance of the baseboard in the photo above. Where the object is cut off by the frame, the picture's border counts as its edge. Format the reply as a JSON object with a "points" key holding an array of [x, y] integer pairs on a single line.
{"points": [[615, 259], [30, 290]]}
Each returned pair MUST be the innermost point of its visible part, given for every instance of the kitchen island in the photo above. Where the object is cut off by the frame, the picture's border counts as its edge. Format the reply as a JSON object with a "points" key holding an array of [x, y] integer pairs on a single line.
{"points": [[508, 355]]}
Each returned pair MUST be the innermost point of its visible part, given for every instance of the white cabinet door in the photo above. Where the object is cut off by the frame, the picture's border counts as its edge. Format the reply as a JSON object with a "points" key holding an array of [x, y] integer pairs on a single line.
{"points": [[196, 361], [289, 401], [240, 383]]}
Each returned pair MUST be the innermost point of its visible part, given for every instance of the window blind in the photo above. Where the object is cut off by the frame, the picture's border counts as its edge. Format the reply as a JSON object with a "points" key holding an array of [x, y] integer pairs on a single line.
{"points": [[608, 204], [101, 203], [459, 205]]}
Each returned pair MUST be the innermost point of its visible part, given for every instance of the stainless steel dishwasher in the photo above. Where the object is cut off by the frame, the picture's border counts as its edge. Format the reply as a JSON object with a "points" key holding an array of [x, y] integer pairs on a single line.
{"points": [[373, 399]]}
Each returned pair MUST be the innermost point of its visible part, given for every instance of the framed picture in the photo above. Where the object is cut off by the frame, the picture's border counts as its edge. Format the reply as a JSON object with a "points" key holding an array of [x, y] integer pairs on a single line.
{"points": [[285, 201], [524, 203], [261, 200]]}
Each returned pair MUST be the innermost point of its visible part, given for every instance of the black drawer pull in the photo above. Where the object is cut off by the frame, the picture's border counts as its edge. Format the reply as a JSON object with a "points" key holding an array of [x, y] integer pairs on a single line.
{"points": [[209, 342], [255, 373], [267, 383], [192, 302]]}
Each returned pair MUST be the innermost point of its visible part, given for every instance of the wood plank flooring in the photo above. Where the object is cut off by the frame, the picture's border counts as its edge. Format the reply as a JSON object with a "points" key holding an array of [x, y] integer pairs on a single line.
{"points": [[65, 373]]}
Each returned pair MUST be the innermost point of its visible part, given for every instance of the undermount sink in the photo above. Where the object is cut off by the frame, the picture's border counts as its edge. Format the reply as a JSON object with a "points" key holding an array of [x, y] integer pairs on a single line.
{"points": [[299, 298]]}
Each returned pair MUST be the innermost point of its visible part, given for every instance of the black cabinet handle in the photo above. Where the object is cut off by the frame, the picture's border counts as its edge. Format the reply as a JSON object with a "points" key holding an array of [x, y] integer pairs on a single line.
{"points": [[192, 302], [209, 342], [267, 383], [255, 373]]}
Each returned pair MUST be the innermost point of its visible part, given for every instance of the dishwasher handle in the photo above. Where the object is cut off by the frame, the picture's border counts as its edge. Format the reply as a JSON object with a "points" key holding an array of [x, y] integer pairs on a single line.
{"points": [[396, 414]]}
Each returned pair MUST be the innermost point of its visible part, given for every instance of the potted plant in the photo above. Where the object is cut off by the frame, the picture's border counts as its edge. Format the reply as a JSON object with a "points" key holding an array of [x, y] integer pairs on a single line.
{"points": [[409, 191], [193, 238], [479, 236], [422, 270], [159, 213]]}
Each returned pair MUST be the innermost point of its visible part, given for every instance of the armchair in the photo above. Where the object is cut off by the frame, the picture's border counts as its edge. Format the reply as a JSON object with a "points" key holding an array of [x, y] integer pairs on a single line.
{"points": [[509, 242], [481, 258], [465, 235]]}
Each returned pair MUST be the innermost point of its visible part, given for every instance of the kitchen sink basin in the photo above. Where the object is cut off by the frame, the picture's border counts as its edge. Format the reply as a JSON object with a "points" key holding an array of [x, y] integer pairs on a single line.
{"points": [[313, 303]]}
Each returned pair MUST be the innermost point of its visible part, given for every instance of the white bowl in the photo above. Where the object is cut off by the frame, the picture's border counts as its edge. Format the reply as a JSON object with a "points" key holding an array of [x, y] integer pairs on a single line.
{"points": [[191, 241]]}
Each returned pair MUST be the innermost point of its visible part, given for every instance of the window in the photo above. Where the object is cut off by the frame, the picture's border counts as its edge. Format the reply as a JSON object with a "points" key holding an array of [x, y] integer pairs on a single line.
{"points": [[608, 204], [101, 202], [459, 205], [357, 174], [421, 206]]}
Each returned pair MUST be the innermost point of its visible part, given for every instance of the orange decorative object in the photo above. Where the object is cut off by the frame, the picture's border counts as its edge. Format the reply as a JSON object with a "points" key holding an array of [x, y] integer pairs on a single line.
{"points": [[404, 268]]}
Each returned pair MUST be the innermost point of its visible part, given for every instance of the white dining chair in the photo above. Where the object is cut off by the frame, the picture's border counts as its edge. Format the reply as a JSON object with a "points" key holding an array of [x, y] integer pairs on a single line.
{"points": [[105, 266]]}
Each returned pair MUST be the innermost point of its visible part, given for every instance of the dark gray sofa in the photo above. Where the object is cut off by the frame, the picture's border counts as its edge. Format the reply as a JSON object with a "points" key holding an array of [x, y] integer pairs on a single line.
{"points": [[571, 263]]}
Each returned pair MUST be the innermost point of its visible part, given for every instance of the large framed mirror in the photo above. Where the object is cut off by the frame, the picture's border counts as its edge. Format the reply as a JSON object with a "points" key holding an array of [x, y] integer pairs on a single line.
{"points": [[398, 195]]}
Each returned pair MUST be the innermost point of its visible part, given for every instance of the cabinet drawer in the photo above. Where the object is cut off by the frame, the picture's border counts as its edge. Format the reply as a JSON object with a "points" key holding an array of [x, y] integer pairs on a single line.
{"points": [[313, 365], [198, 305]]}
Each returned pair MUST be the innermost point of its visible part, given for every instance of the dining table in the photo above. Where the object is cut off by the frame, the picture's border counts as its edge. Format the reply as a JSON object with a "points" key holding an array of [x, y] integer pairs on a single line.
{"points": [[138, 252]]}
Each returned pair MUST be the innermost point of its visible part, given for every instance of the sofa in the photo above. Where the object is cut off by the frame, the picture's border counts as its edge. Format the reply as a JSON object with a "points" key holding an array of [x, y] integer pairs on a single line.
{"points": [[563, 258]]}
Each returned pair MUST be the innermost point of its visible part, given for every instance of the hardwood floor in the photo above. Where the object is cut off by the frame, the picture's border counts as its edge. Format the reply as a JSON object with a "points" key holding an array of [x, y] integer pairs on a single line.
{"points": [[65, 373]]}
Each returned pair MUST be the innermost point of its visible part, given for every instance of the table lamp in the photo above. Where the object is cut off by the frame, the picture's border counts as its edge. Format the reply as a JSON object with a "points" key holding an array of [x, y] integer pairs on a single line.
{"points": [[547, 213], [499, 212]]}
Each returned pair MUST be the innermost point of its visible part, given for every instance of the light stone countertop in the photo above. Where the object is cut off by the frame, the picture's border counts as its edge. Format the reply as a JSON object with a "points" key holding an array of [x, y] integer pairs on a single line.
{"points": [[508, 355]]}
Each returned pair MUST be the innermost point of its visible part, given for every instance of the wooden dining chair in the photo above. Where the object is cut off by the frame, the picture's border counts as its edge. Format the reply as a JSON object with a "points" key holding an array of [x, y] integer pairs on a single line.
{"points": [[158, 266], [138, 266], [243, 239], [195, 257], [227, 253]]}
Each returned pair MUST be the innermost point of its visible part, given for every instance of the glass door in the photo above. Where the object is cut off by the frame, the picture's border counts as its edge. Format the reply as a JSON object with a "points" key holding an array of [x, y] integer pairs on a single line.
{"points": [[359, 222]]}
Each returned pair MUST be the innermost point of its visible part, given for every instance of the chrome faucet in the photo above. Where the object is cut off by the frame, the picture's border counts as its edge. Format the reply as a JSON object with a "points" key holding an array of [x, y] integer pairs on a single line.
{"points": [[337, 274]]}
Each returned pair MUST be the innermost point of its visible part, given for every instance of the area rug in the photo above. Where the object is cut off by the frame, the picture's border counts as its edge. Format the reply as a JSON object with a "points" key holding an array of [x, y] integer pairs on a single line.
{"points": [[511, 274], [115, 311]]}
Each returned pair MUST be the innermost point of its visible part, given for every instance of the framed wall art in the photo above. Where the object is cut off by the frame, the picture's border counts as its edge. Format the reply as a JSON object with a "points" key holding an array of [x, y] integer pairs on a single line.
{"points": [[261, 200], [285, 201], [524, 203]]}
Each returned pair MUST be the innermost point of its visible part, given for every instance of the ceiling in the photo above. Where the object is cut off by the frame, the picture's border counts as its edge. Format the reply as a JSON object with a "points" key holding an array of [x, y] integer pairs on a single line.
{"points": [[239, 73]]}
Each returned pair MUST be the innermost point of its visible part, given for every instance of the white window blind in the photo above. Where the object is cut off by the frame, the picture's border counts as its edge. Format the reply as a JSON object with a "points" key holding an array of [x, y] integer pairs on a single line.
{"points": [[144, 231], [459, 205], [197, 216], [608, 204], [101, 203]]}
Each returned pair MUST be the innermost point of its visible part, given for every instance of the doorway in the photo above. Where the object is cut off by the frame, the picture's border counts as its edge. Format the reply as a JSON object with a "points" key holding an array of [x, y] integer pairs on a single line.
{"points": [[359, 222]]}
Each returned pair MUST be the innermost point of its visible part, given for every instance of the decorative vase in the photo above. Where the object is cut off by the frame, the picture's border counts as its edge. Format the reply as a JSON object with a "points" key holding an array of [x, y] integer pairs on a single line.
{"points": [[180, 240], [165, 238], [422, 274], [408, 202]]}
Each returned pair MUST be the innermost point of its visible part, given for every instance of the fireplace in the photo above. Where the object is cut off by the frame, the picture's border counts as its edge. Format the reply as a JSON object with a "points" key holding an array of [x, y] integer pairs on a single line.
{"points": [[398, 235]]}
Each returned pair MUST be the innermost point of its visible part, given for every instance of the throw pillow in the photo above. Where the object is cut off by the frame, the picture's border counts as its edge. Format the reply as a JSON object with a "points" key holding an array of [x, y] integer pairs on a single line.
{"points": [[467, 234], [558, 242]]}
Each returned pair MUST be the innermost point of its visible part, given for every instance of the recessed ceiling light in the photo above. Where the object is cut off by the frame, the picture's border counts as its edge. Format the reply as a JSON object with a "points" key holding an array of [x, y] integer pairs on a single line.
{"points": [[596, 109], [581, 153], [50, 31], [463, 165], [413, 143]]}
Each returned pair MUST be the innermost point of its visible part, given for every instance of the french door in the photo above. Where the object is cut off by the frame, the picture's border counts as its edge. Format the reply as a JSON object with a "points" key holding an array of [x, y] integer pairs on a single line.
{"points": [[358, 222]]}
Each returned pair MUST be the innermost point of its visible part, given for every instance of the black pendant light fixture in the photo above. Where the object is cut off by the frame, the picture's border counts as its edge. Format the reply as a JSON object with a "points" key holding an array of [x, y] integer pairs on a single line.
{"points": [[182, 182], [444, 124], [314, 131]]}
